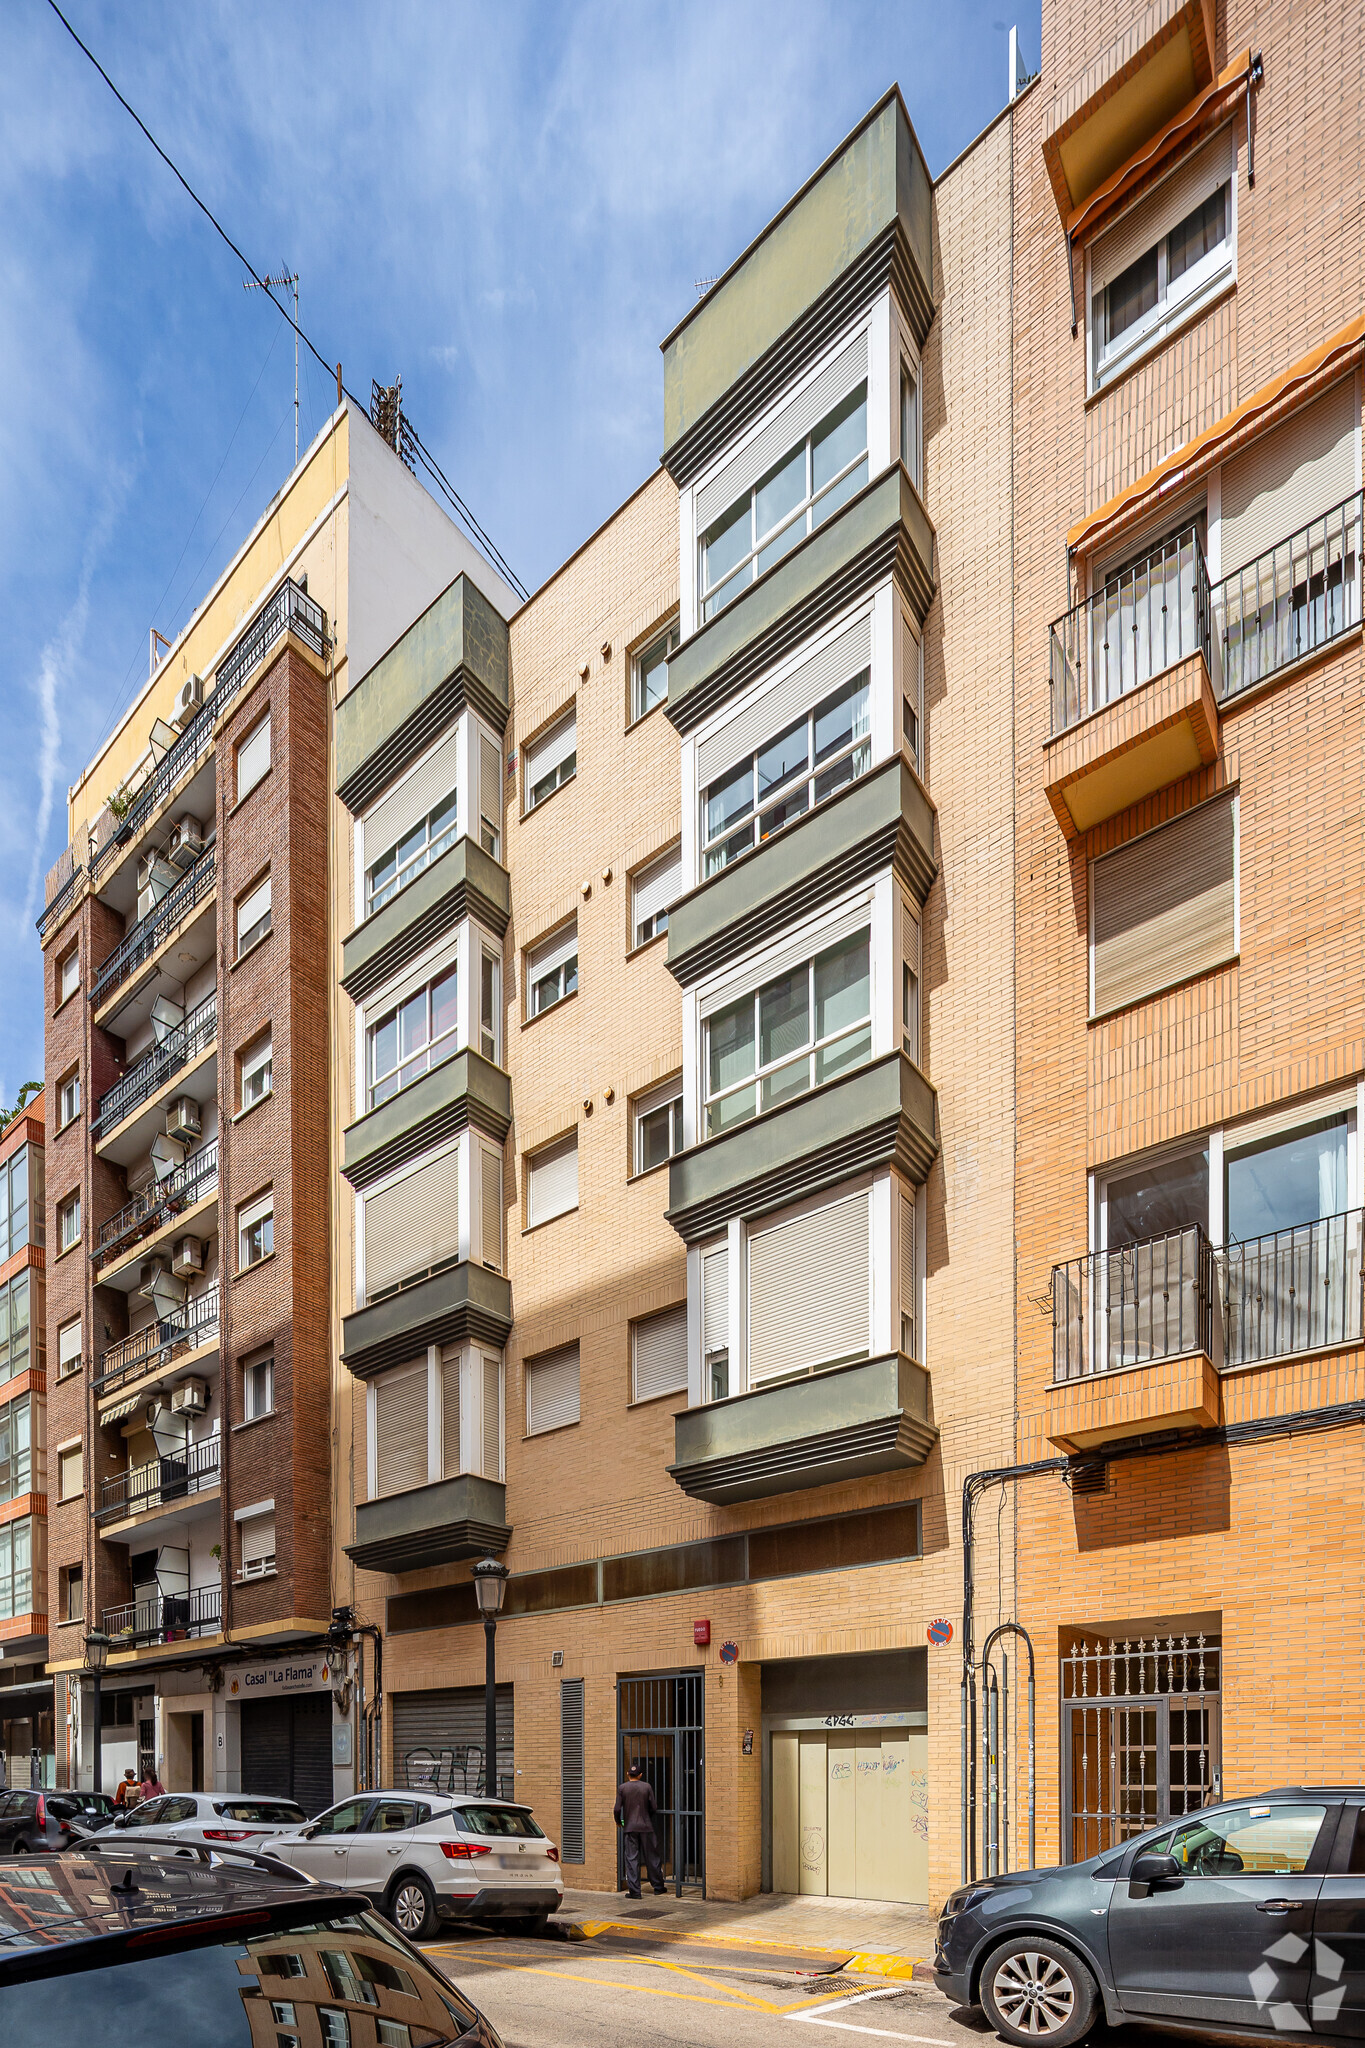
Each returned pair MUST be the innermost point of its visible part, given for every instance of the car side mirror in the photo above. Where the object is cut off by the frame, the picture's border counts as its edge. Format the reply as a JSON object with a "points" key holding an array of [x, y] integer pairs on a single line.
{"points": [[309, 1832], [1154, 1873]]}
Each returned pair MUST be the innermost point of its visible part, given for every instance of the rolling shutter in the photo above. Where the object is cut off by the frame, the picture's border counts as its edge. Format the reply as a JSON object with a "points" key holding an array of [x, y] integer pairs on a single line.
{"points": [[552, 1390], [659, 1355], [910, 953], [551, 953], [550, 750], [450, 1719], [400, 1430], [492, 1415], [552, 1181], [722, 993], [451, 1460], [490, 781], [655, 888], [776, 709], [1285, 479], [572, 1834], [258, 1538], [395, 815], [909, 1289], [413, 1224], [1188, 186], [253, 758], [253, 908], [808, 1291], [490, 1220], [1164, 907], [791, 425], [715, 1296]]}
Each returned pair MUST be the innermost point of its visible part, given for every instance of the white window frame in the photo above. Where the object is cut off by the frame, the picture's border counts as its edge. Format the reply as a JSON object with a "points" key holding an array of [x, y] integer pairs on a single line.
{"points": [[69, 1098], [490, 1028], [668, 1095], [63, 1453], [259, 1211], [908, 373], [68, 1210], [561, 1144], [812, 1048], [434, 843], [257, 900], [670, 858], [1202, 282], [258, 1060], [551, 956], [534, 794], [253, 764], [68, 975], [262, 1565], [750, 821], [252, 1369], [433, 1053], [65, 1354], [468, 1358], [666, 637]]}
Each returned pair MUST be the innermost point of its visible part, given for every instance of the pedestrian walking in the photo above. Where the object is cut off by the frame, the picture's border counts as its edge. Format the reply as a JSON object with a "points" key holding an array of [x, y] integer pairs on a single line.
{"points": [[634, 1815], [152, 1787], [126, 1792]]}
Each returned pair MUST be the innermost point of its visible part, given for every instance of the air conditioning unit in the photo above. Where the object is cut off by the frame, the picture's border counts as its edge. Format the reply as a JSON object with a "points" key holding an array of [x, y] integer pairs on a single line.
{"points": [[184, 1118], [188, 1256], [188, 698], [167, 1156], [166, 1017], [191, 1398], [157, 1284], [187, 842]]}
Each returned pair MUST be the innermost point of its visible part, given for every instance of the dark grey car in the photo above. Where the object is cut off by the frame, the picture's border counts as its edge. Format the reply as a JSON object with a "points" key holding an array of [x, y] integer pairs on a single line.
{"points": [[1248, 1916]]}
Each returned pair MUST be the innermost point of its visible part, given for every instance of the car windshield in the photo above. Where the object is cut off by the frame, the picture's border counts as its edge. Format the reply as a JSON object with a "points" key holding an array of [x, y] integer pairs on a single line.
{"points": [[499, 1820], [301, 1981], [268, 1812]]}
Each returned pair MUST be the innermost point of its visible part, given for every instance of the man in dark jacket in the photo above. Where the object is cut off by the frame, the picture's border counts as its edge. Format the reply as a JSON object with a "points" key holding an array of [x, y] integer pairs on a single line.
{"points": [[634, 1815]]}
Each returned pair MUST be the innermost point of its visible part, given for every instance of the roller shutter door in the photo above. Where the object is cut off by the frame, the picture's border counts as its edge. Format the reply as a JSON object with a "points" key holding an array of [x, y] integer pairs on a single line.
{"points": [[450, 1719], [287, 1749]]}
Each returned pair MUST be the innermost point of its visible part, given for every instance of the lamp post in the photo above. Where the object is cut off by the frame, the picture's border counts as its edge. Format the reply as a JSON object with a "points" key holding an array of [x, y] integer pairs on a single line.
{"points": [[96, 1656], [490, 1583]]}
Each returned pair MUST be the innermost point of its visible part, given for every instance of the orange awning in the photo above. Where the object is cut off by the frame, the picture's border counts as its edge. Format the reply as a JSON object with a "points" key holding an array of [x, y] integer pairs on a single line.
{"points": [[1201, 112]]}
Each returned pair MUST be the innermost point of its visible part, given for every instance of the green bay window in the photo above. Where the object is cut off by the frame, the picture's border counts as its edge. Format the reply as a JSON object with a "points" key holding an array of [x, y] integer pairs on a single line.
{"points": [[806, 1026], [416, 1035], [789, 775]]}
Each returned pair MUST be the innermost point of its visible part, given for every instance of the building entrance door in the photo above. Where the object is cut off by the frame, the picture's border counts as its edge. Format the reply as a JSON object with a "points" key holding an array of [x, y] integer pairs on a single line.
{"points": [[660, 1721], [1141, 1735], [850, 1812]]}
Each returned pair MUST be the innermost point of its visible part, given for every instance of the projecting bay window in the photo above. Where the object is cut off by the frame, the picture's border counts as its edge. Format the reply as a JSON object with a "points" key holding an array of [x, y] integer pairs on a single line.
{"points": [[909, 422], [421, 844], [808, 1024], [432, 1213], [422, 816], [809, 1291], [490, 1004], [807, 483], [1166, 257], [23, 1565], [413, 1035], [910, 982], [715, 1322], [434, 1418], [16, 1448], [788, 775]]}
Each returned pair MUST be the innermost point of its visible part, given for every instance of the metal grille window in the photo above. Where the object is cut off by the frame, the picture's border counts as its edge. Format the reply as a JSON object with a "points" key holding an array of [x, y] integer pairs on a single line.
{"points": [[16, 1448], [661, 1722], [552, 1391], [418, 847], [552, 970], [658, 1125], [414, 1036], [787, 776], [649, 680], [551, 760], [806, 1026], [572, 1771], [1143, 1735], [253, 916], [805, 485]]}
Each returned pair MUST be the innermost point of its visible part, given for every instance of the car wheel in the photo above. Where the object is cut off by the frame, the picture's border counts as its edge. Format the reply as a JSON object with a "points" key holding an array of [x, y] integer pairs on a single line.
{"points": [[1036, 1990], [18, 1848], [412, 1907]]}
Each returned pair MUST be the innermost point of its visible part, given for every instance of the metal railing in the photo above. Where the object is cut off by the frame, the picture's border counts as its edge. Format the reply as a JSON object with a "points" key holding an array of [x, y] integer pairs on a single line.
{"points": [[148, 933], [158, 1203], [1295, 598], [182, 1044], [1293, 1290], [164, 1482], [289, 609], [1134, 1305], [1143, 622], [166, 1617], [64, 890], [192, 1326]]}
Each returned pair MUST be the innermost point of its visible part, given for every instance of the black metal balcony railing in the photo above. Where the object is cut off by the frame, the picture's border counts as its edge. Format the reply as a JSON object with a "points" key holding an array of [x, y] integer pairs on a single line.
{"points": [[158, 1204], [1297, 597], [147, 934], [163, 1483], [166, 1617], [192, 1327], [290, 609], [1143, 622], [1293, 1290], [180, 1045], [65, 874], [1133, 1306]]}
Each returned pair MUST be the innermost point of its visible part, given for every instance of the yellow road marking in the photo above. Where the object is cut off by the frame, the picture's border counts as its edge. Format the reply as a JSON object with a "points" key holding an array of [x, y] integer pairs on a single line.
{"points": [[787, 1948], [736, 2001]]}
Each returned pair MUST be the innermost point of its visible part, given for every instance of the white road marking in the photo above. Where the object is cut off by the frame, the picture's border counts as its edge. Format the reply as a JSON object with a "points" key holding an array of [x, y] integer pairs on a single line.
{"points": [[816, 2017]]}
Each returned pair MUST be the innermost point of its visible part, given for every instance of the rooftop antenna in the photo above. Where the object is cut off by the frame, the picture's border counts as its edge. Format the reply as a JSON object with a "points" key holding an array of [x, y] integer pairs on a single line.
{"points": [[704, 285], [288, 281]]}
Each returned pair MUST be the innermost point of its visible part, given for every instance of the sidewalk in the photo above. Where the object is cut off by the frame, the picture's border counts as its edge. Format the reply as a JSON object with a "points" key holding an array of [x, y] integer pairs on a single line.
{"points": [[863, 1931]]}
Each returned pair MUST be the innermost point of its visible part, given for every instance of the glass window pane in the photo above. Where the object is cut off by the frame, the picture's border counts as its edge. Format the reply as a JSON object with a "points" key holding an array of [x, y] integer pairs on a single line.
{"points": [[1296, 1178], [847, 488], [412, 1025], [782, 758], [781, 491], [655, 1128], [842, 718], [1200, 232], [729, 1111], [653, 675], [784, 1083], [726, 801], [1132, 294], [443, 818], [784, 810], [729, 849], [384, 1046], [784, 1015], [730, 1045], [843, 1055], [847, 770], [444, 1003], [1167, 1196], [781, 544], [842, 987], [725, 543], [840, 436]]}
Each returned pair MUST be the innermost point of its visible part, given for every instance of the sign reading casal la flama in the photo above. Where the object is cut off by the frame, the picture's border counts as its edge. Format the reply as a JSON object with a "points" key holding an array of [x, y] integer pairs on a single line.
{"points": [[272, 1681]]}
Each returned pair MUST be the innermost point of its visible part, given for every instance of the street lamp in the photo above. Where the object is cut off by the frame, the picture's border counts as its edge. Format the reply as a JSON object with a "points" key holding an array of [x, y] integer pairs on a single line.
{"points": [[490, 1583], [96, 1656]]}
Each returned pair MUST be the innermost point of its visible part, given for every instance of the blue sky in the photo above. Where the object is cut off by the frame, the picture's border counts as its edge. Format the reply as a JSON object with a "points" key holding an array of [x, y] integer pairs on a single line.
{"points": [[508, 203]]}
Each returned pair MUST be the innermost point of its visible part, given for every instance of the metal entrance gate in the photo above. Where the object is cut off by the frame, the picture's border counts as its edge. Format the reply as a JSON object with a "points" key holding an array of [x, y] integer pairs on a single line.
{"points": [[1141, 1735], [660, 1721]]}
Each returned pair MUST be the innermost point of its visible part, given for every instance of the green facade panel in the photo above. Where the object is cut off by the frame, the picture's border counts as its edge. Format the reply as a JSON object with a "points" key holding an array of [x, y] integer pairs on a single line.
{"points": [[466, 1089], [464, 881], [428, 1525], [463, 1301]]}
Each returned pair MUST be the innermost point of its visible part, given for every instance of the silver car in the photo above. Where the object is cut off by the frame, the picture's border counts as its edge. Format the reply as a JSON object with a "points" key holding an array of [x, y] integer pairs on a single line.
{"points": [[211, 1819], [426, 1857]]}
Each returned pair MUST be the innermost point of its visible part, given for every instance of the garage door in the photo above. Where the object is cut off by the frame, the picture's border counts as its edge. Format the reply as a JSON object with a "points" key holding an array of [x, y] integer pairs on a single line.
{"points": [[850, 1813], [443, 1731], [287, 1749]]}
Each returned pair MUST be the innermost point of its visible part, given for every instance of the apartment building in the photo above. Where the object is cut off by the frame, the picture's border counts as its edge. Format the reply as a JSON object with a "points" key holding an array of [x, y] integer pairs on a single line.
{"points": [[674, 1247], [1190, 1007], [26, 1727], [189, 1036]]}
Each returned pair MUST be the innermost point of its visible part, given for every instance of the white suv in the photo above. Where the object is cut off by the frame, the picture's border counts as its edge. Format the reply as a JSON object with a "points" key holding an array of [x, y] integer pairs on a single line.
{"points": [[424, 1858], [211, 1819]]}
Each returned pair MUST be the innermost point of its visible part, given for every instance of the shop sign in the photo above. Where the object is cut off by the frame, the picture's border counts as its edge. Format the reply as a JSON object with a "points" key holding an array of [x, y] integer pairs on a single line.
{"points": [[289, 1675]]}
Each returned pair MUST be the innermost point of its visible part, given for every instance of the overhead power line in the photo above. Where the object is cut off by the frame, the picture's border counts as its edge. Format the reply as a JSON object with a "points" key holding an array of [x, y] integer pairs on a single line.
{"points": [[264, 284]]}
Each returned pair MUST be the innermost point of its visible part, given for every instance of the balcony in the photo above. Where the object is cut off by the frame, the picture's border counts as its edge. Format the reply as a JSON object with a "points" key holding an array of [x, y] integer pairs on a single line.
{"points": [[1290, 603], [159, 1342], [427, 1525], [850, 1423], [182, 1046], [288, 610], [885, 819], [167, 1618], [880, 1115], [152, 931], [157, 1205], [164, 1482], [455, 654], [465, 1089], [1293, 1291], [463, 881], [463, 1301]]}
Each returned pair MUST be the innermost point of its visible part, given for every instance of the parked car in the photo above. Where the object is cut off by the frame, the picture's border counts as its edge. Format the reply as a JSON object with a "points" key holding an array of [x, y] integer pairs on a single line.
{"points": [[210, 1949], [30, 1824], [90, 1811], [427, 1858], [212, 1817], [1245, 1917]]}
